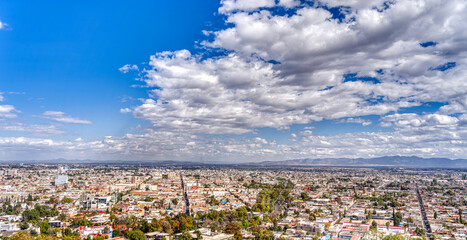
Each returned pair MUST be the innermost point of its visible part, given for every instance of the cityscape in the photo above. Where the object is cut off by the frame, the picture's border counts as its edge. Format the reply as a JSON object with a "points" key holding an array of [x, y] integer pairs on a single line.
{"points": [[233, 120], [220, 202]]}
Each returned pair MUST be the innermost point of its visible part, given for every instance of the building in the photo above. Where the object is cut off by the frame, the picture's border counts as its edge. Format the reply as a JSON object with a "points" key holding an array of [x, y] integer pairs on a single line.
{"points": [[61, 180]]}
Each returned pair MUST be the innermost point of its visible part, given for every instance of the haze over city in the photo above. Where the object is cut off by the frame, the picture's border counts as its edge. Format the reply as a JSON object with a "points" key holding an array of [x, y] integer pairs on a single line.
{"points": [[233, 80]]}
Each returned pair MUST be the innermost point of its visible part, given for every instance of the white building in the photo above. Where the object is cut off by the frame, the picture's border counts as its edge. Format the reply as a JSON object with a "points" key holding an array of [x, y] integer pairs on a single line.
{"points": [[61, 180]]}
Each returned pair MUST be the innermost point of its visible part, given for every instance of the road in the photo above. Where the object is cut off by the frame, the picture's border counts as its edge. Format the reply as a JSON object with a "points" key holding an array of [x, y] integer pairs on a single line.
{"points": [[423, 212], [185, 195]]}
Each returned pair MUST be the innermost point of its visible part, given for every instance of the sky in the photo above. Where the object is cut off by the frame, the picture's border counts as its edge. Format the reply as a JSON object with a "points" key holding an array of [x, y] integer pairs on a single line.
{"points": [[232, 80]]}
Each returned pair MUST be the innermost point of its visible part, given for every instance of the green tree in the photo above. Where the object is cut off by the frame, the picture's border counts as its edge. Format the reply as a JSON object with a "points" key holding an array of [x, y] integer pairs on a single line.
{"points": [[116, 233], [24, 226], [33, 233], [154, 226], [22, 236], [397, 218], [31, 215], [67, 232], [135, 235], [44, 226], [199, 236], [374, 226], [185, 236], [420, 231], [460, 216]]}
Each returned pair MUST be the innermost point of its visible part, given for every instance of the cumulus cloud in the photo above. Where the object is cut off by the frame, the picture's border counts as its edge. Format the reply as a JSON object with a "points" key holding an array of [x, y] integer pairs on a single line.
{"points": [[244, 5], [2, 25], [290, 69], [63, 118], [307, 63], [280, 63]]}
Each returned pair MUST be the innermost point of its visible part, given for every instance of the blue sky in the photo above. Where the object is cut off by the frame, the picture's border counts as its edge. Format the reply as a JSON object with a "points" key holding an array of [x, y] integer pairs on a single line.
{"points": [[231, 80], [65, 56]]}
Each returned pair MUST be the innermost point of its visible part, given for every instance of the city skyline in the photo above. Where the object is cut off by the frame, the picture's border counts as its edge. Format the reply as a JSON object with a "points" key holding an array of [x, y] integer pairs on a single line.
{"points": [[232, 80]]}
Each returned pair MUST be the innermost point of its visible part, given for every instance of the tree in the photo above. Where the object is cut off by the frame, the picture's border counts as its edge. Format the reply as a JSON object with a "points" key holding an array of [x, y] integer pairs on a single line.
{"points": [[143, 226], [460, 216], [264, 234], [394, 237], [237, 235], [154, 226], [63, 217], [232, 227], [31, 215], [185, 236], [116, 233], [397, 218], [166, 226], [135, 235], [420, 231], [67, 232], [80, 221], [374, 226], [199, 236], [24, 226], [22, 236], [44, 225]]}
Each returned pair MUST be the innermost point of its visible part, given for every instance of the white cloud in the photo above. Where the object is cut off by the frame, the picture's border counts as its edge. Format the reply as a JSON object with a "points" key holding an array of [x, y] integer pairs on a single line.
{"points": [[34, 129], [240, 92], [427, 140], [285, 69], [245, 5], [364, 122], [128, 67], [125, 110], [8, 111], [290, 69], [63, 118], [2, 25], [289, 3]]}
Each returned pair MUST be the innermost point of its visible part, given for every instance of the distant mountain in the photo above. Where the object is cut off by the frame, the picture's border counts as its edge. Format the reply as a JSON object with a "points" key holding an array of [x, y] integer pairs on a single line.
{"points": [[389, 161]]}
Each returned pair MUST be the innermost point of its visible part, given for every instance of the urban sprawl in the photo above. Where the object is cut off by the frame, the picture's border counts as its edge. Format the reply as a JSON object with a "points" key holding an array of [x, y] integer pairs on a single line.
{"points": [[137, 203]]}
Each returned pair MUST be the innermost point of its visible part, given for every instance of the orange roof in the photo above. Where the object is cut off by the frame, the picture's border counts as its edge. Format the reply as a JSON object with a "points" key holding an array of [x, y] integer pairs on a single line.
{"points": [[355, 237]]}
